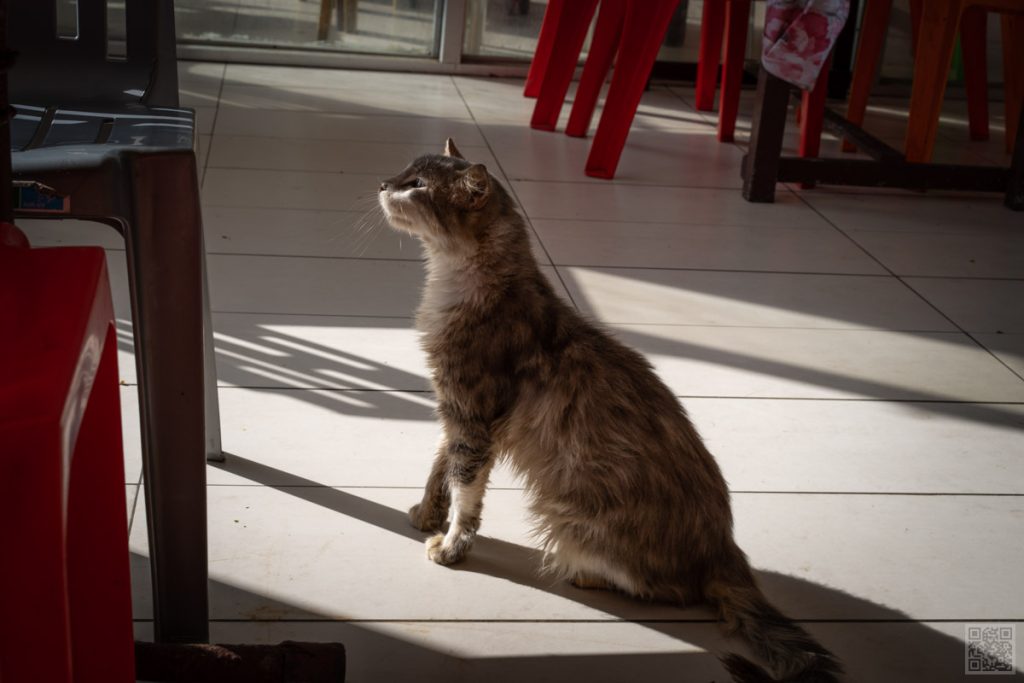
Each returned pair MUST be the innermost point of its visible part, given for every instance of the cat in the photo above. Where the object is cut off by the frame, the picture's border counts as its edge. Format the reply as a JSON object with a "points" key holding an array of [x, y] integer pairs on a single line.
{"points": [[623, 491]]}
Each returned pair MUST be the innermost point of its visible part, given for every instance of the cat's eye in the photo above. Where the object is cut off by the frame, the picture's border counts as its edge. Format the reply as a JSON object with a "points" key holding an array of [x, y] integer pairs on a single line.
{"points": [[416, 183]]}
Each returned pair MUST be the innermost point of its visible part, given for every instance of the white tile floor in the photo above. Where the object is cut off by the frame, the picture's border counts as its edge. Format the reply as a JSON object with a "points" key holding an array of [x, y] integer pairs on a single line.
{"points": [[854, 359]]}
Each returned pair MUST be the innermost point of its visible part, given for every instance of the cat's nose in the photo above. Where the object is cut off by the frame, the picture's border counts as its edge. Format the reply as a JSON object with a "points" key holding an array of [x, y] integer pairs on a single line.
{"points": [[385, 186]]}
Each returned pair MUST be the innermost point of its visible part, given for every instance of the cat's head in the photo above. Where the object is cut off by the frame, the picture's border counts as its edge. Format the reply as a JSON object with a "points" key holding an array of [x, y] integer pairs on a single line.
{"points": [[439, 197]]}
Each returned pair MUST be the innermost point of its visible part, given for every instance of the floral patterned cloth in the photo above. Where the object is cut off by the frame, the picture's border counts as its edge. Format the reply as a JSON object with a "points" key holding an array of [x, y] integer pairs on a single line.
{"points": [[798, 37]]}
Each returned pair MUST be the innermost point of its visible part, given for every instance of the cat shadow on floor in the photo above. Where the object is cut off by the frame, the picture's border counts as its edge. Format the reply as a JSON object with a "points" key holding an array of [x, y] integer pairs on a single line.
{"points": [[875, 642]]}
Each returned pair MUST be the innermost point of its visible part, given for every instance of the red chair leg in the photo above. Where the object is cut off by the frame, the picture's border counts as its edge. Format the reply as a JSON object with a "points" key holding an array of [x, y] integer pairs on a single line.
{"points": [[603, 45], [812, 107], [939, 24], [99, 582], [542, 55], [643, 31], [872, 38], [972, 41], [737, 19], [712, 31], [915, 22], [571, 32]]}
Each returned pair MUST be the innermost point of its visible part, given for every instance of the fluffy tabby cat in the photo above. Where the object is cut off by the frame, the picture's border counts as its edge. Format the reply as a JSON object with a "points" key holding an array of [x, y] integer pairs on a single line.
{"points": [[624, 493]]}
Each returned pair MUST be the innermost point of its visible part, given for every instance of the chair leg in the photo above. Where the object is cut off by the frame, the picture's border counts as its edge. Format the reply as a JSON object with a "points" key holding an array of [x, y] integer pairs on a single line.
{"points": [[712, 31], [571, 32], [99, 581], [1013, 75], [545, 43], [165, 259], [872, 38], [324, 22], [940, 22], [915, 22], [812, 104], [761, 165], [214, 449], [348, 12], [599, 60], [972, 41], [643, 30], [737, 19]]}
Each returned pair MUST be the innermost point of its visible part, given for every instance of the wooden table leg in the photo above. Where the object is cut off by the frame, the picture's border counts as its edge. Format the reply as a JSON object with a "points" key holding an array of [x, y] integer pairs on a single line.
{"points": [[761, 165]]}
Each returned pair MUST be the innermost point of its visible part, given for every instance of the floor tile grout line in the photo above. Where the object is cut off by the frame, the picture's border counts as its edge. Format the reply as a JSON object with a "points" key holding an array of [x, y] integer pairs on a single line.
{"points": [[611, 620], [709, 397], [970, 335], [600, 266], [213, 131], [393, 143], [745, 492], [910, 288], [135, 503]]}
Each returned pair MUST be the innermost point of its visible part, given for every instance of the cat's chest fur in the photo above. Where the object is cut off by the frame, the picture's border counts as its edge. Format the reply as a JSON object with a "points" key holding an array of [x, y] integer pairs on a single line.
{"points": [[454, 288]]}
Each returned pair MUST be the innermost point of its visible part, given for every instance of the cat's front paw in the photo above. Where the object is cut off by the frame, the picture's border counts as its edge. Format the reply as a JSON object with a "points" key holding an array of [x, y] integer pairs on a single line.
{"points": [[443, 554], [426, 519]]}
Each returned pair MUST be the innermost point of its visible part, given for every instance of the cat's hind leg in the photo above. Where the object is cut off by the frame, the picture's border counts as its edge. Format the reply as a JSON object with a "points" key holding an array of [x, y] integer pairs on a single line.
{"points": [[591, 581], [587, 569], [431, 512]]}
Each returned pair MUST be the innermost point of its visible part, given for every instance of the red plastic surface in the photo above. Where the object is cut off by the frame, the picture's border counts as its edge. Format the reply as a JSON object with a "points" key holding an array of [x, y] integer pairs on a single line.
{"points": [[64, 579]]}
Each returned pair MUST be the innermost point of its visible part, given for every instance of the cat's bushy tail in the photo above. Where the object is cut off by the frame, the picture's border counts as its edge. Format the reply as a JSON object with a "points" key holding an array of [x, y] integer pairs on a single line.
{"points": [[792, 654]]}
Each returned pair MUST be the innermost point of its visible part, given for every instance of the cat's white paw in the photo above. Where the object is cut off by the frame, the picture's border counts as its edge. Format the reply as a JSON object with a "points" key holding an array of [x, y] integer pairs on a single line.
{"points": [[438, 552]]}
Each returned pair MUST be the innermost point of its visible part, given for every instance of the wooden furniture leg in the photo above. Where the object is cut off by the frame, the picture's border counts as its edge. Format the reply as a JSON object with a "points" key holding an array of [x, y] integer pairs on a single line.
{"points": [[761, 165], [325, 19]]}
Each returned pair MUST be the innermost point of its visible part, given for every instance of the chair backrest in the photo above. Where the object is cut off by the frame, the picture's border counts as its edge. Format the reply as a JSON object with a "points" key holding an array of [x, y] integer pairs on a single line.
{"points": [[78, 69]]}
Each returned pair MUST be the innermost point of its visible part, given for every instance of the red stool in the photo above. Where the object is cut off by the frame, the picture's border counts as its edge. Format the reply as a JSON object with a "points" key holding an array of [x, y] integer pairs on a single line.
{"points": [[64, 577]]}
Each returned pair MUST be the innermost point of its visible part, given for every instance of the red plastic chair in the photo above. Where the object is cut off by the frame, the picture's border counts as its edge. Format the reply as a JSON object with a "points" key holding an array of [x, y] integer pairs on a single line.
{"points": [[64, 576], [639, 27], [939, 22], [545, 43], [874, 25], [728, 20]]}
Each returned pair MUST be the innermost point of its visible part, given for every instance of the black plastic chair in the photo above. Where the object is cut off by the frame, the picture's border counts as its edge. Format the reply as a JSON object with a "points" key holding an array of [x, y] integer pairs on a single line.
{"points": [[105, 139]]}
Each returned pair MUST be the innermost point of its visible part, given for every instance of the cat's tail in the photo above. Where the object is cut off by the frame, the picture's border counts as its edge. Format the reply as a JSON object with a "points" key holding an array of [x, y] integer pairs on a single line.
{"points": [[791, 653]]}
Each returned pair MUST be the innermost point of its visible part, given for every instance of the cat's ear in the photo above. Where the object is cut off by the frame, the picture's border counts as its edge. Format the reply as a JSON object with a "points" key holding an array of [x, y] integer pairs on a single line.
{"points": [[476, 187], [450, 150]]}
